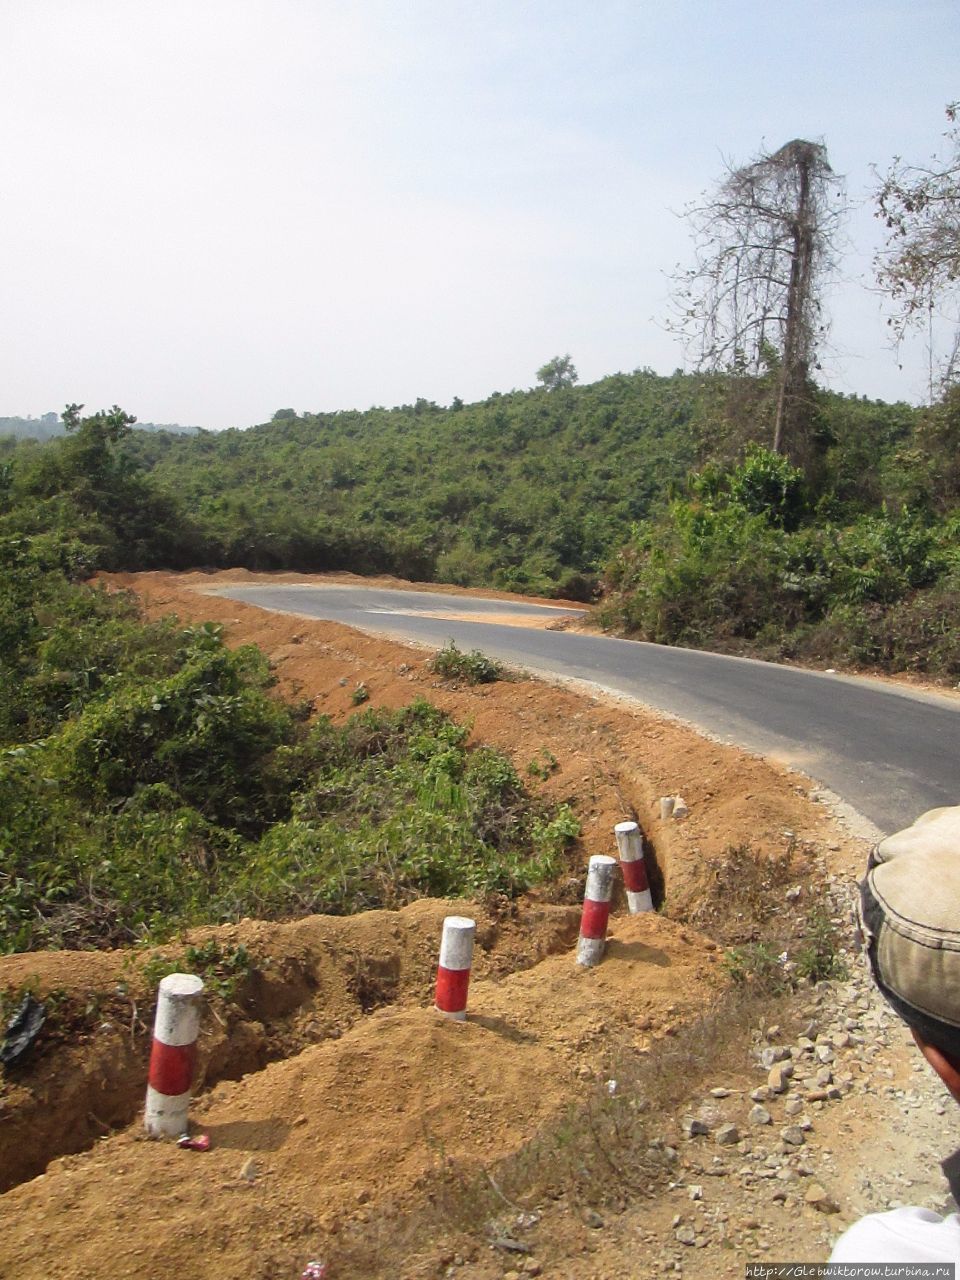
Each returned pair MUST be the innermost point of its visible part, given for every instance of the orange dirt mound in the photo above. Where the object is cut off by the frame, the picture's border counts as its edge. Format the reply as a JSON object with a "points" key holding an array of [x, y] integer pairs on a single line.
{"points": [[363, 1102], [349, 1122]]}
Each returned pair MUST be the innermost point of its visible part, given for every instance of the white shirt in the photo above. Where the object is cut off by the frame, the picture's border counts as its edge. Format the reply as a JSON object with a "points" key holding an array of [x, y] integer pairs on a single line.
{"points": [[902, 1235]]}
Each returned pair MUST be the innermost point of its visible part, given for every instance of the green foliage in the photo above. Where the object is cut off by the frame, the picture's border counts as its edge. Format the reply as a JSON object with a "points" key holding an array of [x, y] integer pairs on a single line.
{"points": [[201, 730], [744, 560], [223, 971], [543, 765], [412, 811], [87, 488], [757, 965], [767, 484], [556, 373], [529, 490], [818, 959], [702, 572], [473, 668], [148, 782]]}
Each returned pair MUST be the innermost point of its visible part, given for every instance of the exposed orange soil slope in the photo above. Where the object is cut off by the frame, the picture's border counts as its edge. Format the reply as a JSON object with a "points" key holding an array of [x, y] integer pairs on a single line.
{"points": [[361, 1102]]}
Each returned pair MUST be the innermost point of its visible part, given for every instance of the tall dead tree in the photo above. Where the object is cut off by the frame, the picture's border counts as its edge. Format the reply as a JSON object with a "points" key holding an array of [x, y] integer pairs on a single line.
{"points": [[751, 303]]}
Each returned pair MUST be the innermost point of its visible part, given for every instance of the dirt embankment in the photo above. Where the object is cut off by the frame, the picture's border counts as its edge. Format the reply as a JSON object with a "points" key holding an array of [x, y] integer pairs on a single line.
{"points": [[333, 1086]]}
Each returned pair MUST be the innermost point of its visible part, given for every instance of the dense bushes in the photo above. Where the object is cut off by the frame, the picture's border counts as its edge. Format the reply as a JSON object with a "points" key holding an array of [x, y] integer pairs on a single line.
{"points": [[527, 491], [745, 561], [148, 781], [547, 492], [86, 488]]}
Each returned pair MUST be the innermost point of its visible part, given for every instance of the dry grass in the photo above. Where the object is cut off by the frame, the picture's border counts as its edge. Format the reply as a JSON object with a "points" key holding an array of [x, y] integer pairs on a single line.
{"points": [[612, 1147], [744, 896], [605, 1150]]}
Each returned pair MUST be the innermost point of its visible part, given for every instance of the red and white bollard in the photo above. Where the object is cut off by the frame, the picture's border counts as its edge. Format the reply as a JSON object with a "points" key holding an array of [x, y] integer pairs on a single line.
{"points": [[173, 1056], [630, 844], [596, 909], [453, 972]]}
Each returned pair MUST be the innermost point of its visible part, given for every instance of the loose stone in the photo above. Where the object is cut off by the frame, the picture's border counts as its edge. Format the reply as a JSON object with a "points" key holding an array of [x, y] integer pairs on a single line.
{"points": [[771, 1054], [780, 1073], [817, 1198], [694, 1127]]}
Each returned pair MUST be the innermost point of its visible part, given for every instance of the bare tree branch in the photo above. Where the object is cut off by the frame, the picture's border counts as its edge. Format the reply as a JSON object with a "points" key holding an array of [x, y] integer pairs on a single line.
{"points": [[764, 242], [919, 267]]}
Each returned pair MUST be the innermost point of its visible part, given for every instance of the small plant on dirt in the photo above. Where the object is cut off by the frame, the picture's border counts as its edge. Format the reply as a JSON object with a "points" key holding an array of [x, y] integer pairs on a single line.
{"points": [[543, 765], [222, 971], [819, 959], [757, 965], [552, 835], [473, 668], [360, 695]]}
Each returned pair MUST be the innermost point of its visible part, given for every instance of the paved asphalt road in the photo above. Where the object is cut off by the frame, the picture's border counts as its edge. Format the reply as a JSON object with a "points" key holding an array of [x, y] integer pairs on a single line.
{"points": [[889, 753]]}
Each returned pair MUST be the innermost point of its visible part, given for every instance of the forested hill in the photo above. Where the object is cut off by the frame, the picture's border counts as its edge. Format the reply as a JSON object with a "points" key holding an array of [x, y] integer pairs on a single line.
{"points": [[655, 494], [531, 490]]}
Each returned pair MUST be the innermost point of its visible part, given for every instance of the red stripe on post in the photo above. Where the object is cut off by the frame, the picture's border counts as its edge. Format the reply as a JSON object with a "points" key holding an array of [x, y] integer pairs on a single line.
{"points": [[171, 1067], [635, 875], [593, 922], [452, 989]]}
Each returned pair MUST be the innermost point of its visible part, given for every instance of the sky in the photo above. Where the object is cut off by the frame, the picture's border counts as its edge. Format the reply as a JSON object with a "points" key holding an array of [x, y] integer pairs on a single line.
{"points": [[213, 209]]}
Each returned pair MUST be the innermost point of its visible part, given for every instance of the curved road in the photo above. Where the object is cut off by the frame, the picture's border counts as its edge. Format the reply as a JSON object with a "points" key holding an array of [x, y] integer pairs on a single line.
{"points": [[888, 752]]}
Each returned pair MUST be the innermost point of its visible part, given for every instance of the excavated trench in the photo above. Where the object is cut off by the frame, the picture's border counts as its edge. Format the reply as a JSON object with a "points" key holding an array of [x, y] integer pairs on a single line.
{"points": [[307, 982], [348, 1087], [304, 983]]}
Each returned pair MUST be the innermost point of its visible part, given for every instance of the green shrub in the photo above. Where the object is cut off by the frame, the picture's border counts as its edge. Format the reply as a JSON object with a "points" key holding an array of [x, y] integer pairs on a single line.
{"points": [[206, 729], [473, 668], [194, 798], [818, 958], [223, 971], [360, 694]]}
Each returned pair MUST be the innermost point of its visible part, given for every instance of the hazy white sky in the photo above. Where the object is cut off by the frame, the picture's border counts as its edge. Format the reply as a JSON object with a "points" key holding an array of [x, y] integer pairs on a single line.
{"points": [[211, 209]]}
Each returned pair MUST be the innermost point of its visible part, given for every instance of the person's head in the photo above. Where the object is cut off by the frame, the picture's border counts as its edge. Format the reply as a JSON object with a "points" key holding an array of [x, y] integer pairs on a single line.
{"points": [[910, 917]]}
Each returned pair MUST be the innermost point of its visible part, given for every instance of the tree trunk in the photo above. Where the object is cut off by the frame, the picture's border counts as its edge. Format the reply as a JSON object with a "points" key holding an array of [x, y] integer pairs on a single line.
{"points": [[793, 372]]}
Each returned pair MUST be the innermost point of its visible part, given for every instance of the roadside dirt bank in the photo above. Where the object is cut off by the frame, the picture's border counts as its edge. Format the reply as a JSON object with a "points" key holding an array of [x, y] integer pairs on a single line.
{"points": [[614, 760], [352, 1094]]}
